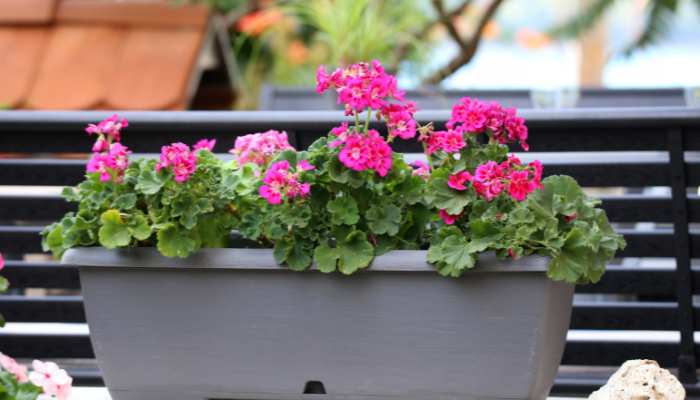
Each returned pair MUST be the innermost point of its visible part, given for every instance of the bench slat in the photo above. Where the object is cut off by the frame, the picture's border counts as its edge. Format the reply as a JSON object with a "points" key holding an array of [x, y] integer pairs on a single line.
{"points": [[49, 275]]}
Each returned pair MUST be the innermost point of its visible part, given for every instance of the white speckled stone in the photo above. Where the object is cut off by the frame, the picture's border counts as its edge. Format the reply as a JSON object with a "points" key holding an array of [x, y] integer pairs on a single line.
{"points": [[640, 380]]}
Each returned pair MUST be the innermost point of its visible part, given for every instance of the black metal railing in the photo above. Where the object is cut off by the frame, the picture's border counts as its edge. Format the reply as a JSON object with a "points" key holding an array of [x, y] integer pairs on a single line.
{"points": [[603, 148]]}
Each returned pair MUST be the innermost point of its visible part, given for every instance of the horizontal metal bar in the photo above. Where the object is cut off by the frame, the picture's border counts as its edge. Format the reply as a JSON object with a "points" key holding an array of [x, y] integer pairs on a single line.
{"points": [[66, 309], [49, 275]]}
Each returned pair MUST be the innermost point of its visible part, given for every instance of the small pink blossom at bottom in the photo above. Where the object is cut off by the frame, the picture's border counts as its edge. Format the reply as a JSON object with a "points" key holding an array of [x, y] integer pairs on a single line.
{"points": [[448, 218], [205, 144], [512, 254], [2, 262], [53, 380], [421, 169], [457, 181], [10, 365]]}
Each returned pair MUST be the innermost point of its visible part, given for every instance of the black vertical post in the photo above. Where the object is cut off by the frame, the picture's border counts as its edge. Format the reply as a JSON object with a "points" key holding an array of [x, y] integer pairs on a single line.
{"points": [[684, 281]]}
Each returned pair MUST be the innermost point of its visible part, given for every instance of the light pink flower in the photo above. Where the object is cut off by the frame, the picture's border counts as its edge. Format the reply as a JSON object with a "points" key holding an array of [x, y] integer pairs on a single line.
{"points": [[448, 218], [13, 367], [305, 166], [421, 169], [178, 158], [457, 181], [53, 380], [260, 148], [205, 144]]}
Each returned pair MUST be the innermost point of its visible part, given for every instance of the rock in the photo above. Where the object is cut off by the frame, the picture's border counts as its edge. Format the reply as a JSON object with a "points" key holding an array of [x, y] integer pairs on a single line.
{"points": [[640, 380]]}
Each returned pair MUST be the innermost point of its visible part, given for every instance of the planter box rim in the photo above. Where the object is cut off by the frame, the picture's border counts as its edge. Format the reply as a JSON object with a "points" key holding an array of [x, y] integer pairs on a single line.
{"points": [[263, 259]]}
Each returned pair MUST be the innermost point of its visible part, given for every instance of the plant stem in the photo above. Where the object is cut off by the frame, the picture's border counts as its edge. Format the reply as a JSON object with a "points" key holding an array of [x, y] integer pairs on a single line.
{"points": [[369, 116]]}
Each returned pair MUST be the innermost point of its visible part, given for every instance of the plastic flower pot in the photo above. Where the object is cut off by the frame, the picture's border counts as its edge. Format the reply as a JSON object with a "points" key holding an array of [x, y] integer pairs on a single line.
{"points": [[230, 324]]}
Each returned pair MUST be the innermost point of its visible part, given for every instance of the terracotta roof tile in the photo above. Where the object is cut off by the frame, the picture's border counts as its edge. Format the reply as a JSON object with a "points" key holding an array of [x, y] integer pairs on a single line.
{"points": [[155, 68], [95, 54], [159, 13], [78, 63], [26, 11], [21, 51]]}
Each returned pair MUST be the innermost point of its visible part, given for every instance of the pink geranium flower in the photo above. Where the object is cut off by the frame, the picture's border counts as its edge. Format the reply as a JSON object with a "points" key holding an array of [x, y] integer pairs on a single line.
{"points": [[110, 127], [2, 262], [421, 169], [457, 181], [178, 158], [448, 218], [362, 152], [205, 144], [13, 367], [53, 380], [282, 182], [447, 141], [260, 148], [111, 164]]}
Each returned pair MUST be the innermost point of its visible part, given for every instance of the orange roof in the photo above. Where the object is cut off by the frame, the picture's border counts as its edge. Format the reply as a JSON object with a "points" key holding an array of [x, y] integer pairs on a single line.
{"points": [[99, 54]]}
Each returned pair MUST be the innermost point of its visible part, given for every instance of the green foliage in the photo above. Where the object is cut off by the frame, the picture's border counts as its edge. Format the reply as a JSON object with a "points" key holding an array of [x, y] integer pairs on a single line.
{"points": [[11, 389], [151, 209]]}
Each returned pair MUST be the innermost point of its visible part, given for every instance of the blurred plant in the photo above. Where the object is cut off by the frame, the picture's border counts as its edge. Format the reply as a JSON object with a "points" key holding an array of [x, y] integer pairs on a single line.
{"points": [[658, 21]]}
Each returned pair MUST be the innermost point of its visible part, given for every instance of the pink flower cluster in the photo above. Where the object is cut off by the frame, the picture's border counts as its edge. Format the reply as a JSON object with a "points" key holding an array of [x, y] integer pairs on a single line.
{"points": [[205, 144], [260, 148], [13, 367], [362, 152], [110, 158], [448, 141], [108, 130], [491, 179], [2, 262], [180, 159], [281, 181], [365, 86], [421, 169], [54, 382], [473, 116]]}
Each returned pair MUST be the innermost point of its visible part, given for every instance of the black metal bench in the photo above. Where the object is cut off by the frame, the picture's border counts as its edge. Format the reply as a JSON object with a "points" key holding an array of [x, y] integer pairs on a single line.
{"points": [[281, 98], [663, 140]]}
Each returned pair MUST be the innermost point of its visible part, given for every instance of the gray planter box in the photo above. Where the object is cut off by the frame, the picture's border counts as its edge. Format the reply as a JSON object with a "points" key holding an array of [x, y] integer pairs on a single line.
{"points": [[230, 324]]}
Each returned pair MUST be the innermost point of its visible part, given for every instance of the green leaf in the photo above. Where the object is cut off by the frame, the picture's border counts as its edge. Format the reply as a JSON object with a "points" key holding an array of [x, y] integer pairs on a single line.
{"points": [[175, 242], [139, 227], [113, 233], [27, 391], [384, 219], [441, 196], [4, 284], [149, 182], [355, 253], [458, 253], [343, 211], [53, 239], [326, 258], [125, 202], [298, 257]]}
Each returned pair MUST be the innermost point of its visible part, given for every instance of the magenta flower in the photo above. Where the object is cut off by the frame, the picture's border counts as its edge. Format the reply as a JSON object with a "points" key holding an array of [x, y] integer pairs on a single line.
{"points": [[13, 367], [457, 181], [205, 144], [448, 141], [178, 158], [491, 179], [448, 218], [472, 116], [362, 152], [2, 262], [110, 164], [260, 148], [110, 127], [399, 120], [281, 182], [53, 380]]}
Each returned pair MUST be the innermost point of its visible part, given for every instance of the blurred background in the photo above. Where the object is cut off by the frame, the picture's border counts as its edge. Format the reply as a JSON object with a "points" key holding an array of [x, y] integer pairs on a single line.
{"points": [[243, 54]]}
